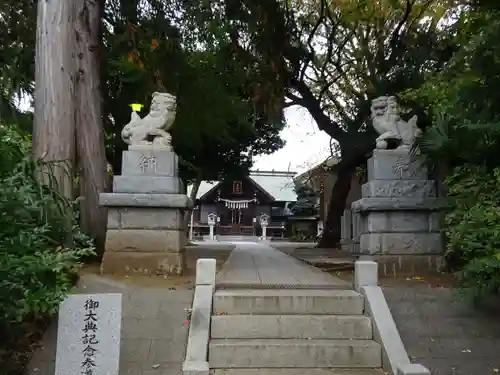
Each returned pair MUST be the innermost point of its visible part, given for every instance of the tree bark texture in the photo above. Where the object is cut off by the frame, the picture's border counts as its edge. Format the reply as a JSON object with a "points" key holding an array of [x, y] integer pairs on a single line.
{"points": [[88, 118], [54, 126], [340, 191], [356, 155]]}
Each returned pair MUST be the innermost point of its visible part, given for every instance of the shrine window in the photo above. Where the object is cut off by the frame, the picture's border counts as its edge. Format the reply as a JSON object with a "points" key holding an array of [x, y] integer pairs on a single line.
{"points": [[237, 188]]}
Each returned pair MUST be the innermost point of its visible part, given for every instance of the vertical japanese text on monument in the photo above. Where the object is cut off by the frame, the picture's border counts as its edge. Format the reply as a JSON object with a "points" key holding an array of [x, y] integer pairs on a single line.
{"points": [[147, 163], [89, 338]]}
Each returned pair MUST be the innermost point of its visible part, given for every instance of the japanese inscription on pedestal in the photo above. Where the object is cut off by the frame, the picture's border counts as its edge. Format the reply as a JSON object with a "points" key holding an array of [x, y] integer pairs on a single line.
{"points": [[88, 337], [147, 163]]}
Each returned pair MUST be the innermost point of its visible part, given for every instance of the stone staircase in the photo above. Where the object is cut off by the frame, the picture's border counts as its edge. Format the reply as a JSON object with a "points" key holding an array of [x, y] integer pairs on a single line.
{"points": [[292, 332]]}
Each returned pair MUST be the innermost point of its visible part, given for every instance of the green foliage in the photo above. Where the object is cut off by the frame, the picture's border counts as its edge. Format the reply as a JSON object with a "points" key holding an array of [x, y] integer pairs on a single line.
{"points": [[465, 141], [37, 269], [219, 126], [473, 229]]}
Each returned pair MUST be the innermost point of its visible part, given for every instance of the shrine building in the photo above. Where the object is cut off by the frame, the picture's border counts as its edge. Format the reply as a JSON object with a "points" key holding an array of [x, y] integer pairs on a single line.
{"points": [[239, 204]]}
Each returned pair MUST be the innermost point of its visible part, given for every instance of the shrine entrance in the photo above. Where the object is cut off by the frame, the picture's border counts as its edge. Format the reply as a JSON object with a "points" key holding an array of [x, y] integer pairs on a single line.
{"points": [[237, 215], [238, 218]]}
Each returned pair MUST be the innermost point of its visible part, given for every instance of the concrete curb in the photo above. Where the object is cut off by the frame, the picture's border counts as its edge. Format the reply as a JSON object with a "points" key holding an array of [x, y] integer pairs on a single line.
{"points": [[395, 359], [196, 361]]}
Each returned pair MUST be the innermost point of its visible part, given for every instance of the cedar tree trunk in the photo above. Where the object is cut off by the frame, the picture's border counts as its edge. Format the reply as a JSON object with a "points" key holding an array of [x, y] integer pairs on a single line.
{"points": [[54, 125], [88, 118]]}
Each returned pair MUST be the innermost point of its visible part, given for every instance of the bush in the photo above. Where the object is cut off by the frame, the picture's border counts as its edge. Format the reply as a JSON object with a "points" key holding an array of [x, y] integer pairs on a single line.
{"points": [[37, 268], [473, 229]]}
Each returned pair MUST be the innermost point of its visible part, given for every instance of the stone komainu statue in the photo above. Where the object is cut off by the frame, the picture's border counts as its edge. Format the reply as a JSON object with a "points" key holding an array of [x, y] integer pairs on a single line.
{"points": [[390, 126], [155, 124]]}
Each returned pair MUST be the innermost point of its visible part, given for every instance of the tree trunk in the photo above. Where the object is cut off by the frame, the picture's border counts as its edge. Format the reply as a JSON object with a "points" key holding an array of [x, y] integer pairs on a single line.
{"points": [[351, 158], [192, 196], [88, 118], [340, 191], [54, 126]]}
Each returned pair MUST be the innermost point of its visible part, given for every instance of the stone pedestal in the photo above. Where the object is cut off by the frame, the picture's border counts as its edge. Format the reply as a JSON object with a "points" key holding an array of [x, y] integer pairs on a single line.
{"points": [[145, 215], [399, 210]]}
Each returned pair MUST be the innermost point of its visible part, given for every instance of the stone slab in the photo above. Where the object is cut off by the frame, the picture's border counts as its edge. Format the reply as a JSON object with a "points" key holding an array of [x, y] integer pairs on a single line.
{"points": [[412, 369], [199, 330], [147, 184], [357, 327], [88, 336], [274, 353], [398, 204], [288, 302], [398, 221], [365, 274], [150, 163], [205, 272], [398, 188], [180, 201], [395, 165], [144, 218], [142, 263], [144, 240], [401, 243]]}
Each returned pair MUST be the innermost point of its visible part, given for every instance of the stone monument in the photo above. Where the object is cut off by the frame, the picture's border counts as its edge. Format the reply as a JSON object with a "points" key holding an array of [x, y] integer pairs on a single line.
{"points": [[145, 210], [399, 209], [88, 334]]}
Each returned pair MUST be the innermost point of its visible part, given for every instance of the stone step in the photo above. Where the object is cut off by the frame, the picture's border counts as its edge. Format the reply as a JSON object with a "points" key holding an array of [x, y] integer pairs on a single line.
{"points": [[296, 371], [234, 353], [292, 327], [288, 302]]}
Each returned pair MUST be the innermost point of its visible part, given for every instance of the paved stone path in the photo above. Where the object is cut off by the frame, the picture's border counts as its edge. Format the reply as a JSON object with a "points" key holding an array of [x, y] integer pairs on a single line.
{"points": [[153, 334], [445, 333], [260, 264]]}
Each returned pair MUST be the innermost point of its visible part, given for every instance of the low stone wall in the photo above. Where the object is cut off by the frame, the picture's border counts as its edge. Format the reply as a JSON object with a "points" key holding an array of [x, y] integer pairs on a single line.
{"points": [[395, 265], [219, 252]]}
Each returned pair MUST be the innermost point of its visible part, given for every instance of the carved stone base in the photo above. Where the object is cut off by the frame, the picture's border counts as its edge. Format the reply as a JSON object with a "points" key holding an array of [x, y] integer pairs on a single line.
{"points": [[150, 162], [407, 265], [399, 210], [145, 215], [401, 243], [149, 241], [395, 165], [142, 263]]}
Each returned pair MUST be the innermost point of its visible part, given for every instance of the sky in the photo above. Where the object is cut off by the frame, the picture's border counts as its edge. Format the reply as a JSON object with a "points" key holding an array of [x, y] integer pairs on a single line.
{"points": [[306, 146]]}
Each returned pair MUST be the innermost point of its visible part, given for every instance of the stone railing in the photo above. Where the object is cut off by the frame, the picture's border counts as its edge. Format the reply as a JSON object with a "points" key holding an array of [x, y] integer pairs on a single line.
{"points": [[196, 361], [350, 228], [395, 359]]}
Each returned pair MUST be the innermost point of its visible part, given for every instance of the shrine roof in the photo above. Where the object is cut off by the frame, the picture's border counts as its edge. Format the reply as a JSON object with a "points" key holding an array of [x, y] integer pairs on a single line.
{"points": [[321, 167], [278, 184]]}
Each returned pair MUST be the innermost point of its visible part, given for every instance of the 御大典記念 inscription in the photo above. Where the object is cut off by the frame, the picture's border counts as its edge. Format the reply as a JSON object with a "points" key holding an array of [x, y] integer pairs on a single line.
{"points": [[88, 338]]}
